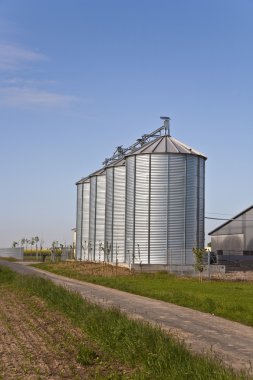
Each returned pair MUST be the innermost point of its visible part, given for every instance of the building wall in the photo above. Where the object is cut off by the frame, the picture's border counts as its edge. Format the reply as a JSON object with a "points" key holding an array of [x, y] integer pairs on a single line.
{"points": [[16, 253], [248, 230], [236, 236]]}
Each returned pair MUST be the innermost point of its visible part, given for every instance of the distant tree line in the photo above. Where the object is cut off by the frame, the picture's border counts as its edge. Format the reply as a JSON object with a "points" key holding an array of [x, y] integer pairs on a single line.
{"points": [[34, 242], [24, 242]]}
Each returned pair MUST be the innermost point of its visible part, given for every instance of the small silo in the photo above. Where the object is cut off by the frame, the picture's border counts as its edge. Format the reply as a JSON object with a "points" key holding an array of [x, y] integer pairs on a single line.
{"points": [[97, 215], [115, 211], [90, 218], [164, 202], [82, 219], [79, 220]]}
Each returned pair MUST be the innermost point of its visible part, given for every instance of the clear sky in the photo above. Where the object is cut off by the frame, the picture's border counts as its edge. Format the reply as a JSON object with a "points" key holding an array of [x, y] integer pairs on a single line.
{"points": [[78, 78]]}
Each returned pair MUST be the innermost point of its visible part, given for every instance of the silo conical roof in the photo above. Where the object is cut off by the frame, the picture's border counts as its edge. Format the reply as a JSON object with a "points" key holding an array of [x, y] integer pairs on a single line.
{"points": [[166, 144], [118, 162], [86, 179]]}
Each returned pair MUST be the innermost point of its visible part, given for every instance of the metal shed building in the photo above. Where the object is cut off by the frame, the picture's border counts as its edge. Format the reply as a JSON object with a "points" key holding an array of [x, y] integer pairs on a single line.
{"points": [[146, 205], [235, 236]]}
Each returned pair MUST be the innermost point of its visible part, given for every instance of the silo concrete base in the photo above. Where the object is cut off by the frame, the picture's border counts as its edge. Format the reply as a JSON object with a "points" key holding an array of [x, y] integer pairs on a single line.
{"points": [[152, 268], [178, 269]]}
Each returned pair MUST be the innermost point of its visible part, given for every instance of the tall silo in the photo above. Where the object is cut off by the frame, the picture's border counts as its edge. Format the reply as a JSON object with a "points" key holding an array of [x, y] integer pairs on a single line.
{"points": [[97, 215], [82, 222], [146, 204], [164, 202], [115, 211]]}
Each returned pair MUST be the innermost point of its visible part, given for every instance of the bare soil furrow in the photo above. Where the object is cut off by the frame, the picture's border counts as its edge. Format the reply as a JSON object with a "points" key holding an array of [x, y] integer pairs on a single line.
{"points": [[37, 343]]}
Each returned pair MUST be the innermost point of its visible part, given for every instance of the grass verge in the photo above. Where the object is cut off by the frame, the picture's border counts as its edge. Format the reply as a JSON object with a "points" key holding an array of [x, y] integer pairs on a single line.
{"points": [[227, 299], [150, 352], [11, 259]]}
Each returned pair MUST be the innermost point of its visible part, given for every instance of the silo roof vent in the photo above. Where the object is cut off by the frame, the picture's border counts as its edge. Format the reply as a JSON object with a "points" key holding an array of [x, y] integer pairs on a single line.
{"points": [[166, 124]]}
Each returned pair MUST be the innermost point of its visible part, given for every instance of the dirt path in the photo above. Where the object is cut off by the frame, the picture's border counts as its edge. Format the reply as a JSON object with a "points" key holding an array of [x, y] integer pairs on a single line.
{"points": [[203, 333]]}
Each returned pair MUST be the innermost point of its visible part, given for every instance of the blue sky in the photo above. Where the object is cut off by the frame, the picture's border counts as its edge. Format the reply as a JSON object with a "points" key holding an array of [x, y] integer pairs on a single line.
{"points": [[78, 78]]}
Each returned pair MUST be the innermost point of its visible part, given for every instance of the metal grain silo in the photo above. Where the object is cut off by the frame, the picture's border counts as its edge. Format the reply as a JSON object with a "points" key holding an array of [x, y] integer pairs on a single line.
{"points": [[115, 212], [164, 202], [90, 220], [82, 221], [78, 220], [97, 215], [146, 205]]}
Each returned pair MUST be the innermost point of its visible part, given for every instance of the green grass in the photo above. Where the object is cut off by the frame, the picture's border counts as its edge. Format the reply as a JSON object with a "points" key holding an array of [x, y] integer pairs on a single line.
{"points": [[151, 352], [12, 259], [230, 300]]}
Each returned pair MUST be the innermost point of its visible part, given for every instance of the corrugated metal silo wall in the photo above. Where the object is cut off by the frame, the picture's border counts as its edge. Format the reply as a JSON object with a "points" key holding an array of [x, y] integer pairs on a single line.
{"points": [[118, 246], [164, 208], [192, 207], [92, 218], [115, 213], [141, 208], [109, 214], [79, 221], [176, 208], [201, 198], [85, 220], [158, 208], [130, 208], [97, 217], [100, 217]]}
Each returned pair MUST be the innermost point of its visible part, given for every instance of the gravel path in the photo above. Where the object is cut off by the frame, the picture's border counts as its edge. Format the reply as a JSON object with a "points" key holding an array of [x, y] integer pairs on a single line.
{"points": [[229, 341]]}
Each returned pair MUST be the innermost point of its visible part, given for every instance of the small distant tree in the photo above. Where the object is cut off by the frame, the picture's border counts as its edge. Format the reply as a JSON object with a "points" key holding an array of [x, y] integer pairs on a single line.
{"points": [[32, 242], [108, 253], [84, 249], [199, 265], [23, 241], [41, 244], [139, 256], [27, 241], [100, 249], [55, 244], [36, 239], [89, 251], [14, 244], [107, 250]]}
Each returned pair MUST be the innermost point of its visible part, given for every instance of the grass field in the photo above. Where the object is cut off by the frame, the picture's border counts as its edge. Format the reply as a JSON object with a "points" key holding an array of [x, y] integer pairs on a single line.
{"points": [[47, 332], [228, 299]]}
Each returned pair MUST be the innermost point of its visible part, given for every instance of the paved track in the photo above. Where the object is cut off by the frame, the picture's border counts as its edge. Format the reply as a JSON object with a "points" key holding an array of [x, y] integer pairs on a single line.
{"points": [[202, 332]]}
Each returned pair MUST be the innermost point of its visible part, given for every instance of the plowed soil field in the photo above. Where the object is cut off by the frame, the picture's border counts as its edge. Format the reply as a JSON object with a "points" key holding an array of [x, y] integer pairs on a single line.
{"points": [[38, 343]]}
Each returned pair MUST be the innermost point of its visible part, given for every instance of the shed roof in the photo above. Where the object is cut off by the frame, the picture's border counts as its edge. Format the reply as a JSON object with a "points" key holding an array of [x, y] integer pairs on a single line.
{"points": [[230, 220]]}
